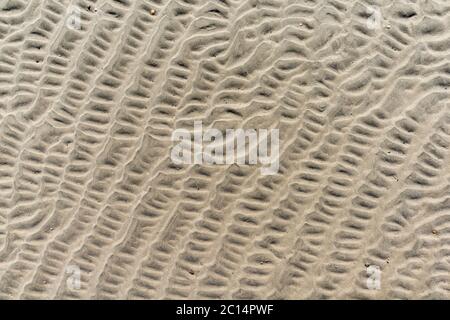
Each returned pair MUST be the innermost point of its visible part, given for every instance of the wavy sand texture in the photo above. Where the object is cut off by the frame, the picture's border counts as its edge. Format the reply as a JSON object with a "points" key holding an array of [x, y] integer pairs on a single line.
{"points": [[357, 88]]}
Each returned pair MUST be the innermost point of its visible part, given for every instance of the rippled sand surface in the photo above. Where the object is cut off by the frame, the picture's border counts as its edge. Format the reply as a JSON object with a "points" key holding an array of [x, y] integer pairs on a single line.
{"points": [[93, 207]]}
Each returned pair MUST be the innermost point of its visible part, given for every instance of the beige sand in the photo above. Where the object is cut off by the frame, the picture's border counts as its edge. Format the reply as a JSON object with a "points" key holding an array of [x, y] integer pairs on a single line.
{"points": [[91, 205]]}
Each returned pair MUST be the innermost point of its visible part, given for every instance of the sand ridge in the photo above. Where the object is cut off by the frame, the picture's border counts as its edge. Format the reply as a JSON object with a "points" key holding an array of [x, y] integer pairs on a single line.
{"points": [[93, 207]]}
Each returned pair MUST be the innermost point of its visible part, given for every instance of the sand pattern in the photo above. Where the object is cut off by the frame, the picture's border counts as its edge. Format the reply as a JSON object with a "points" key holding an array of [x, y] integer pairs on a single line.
{"points": [[357, 88]]}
